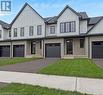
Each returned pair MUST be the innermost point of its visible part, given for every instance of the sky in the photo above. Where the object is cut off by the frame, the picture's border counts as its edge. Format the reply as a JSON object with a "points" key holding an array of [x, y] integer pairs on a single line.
{"points": [[47, 8]]}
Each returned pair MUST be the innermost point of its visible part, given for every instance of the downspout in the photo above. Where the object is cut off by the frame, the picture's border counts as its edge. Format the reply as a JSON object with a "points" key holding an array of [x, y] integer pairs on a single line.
{"points": [[89, 47], [43, 49], [79, 26], [43, 42], [11, 51]]}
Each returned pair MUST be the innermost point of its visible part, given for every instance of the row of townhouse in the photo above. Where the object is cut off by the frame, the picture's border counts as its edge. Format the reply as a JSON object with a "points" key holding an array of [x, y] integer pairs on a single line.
{"points": [[71, 34]]}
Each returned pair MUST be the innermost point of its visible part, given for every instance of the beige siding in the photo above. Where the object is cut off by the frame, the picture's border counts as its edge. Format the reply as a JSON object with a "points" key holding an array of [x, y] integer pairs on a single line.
{"points": [[77, 51], [76, 48], [38, 52]]}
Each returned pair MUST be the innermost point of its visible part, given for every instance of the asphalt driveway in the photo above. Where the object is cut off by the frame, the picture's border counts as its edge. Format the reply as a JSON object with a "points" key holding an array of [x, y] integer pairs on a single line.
{"points": [[99, 62], [29, 67]]}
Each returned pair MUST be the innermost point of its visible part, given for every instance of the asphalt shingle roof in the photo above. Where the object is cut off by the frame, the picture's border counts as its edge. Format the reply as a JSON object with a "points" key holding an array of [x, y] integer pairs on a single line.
{"points": [[5, 25], [83, 15], [94, 20], [53, 19]]}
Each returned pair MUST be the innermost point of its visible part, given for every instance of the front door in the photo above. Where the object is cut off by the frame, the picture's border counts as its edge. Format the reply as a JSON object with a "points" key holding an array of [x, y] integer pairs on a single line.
{"points": [[69, 46]]}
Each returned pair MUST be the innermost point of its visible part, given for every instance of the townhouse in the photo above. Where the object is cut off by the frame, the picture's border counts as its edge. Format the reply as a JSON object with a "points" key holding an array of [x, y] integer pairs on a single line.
{"points": [[71, 34]]}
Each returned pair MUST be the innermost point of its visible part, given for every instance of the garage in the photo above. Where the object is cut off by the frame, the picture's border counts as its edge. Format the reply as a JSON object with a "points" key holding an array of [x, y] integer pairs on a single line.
{"points": [[5, 51], [53, 50], [18, 50], [97, 49]]}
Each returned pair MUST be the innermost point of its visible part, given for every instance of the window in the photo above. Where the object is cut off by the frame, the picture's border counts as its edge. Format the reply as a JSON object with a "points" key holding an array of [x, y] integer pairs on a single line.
{"points": [[33, 47], [0, 33], [15, 32], [31, 30], [72, 26], [62, 27], [9, 33], [22, 31], [52, 29], [39, 30], [67, 27], [81, 43], [69, 47]]}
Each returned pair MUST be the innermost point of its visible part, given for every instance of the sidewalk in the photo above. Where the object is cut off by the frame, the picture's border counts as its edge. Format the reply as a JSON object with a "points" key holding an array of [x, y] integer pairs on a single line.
{"points": [[84, 85]]}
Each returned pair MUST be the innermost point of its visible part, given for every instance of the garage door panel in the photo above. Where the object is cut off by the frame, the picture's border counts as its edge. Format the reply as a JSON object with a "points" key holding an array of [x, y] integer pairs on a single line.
{"points": [[18, 50], [97, 50], [53, 50], [4, 51]]}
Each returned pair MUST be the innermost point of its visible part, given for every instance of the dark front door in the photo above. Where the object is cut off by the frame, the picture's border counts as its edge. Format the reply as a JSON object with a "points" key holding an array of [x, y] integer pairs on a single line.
{"points": [[5, 51], [97, 49], [53, 50], [18, 50]]}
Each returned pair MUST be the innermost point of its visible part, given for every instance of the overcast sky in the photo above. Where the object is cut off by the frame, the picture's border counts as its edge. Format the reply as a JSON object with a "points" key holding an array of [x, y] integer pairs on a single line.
{"points": [[48, 8]]}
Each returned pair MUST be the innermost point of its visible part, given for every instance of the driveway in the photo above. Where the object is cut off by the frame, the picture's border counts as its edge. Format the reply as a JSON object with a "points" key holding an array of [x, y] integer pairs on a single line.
{"points": [[29, 67], [99, 62], [3, 84]]}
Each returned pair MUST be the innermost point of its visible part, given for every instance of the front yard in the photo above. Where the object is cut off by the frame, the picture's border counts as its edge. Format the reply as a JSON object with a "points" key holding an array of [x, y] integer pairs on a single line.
{"points": [[22, 89], [8, 61], [74, 67]]}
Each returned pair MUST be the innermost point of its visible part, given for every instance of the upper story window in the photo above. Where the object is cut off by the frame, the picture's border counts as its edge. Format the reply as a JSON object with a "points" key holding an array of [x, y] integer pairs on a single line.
{"points": [[52, 29], [39, 29], [67, 27], [9, 33], [15, 32], [81, 43], [31, 30], [0, 33], [22, 31]]}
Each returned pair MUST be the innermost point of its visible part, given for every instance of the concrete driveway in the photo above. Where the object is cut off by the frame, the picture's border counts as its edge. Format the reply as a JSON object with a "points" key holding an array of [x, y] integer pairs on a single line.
{"points": [[29, 67], [99, 62]]}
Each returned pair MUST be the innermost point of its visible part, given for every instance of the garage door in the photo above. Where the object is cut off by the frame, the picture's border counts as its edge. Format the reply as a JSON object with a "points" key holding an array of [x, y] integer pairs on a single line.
{"points": [[4, 51], [97, 49], [18, 50], [53, 50]]}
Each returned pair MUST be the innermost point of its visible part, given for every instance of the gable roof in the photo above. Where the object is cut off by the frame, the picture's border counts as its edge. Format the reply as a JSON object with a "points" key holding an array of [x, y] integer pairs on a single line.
{"points": [[83, 15], [67, 7], [51, 20], [5, 25], [94, 21], [26, 4]]}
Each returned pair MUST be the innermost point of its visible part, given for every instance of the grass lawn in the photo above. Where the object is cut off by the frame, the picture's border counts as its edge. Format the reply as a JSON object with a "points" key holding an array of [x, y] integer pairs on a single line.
{"points": [[74, 67], [7, 61], [22, 89]]}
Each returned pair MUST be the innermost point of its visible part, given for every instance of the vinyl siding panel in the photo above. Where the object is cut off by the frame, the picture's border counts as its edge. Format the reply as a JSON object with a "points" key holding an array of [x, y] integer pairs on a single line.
{"points": [[28, 18], [98, 29], [68, 16], [83, 26]]}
